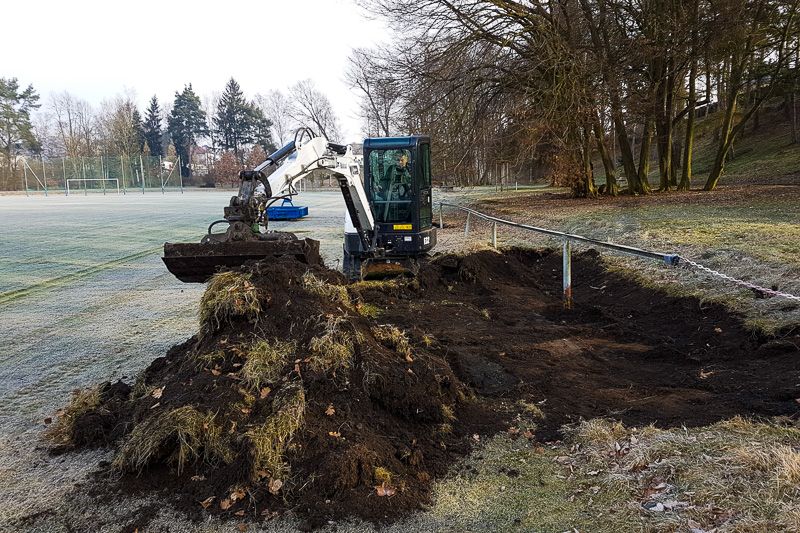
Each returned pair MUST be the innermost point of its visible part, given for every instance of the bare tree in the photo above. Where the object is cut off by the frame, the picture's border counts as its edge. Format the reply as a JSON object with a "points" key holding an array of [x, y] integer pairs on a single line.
{"points": [[381, 93], [75, 125], [120, 126], [311, 108], [277, 107]]}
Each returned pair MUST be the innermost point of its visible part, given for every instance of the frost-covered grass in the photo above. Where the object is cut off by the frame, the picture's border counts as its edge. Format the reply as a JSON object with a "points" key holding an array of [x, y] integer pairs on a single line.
{"points": [[45, 239], [96, 304]]}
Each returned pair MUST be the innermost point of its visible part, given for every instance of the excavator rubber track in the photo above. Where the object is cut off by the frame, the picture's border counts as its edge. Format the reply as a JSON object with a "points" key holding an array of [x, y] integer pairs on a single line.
{"points": [[197, 262]]}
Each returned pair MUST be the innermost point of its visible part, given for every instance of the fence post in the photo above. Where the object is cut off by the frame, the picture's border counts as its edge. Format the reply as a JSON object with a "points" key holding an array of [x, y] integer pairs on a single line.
{"points": [[567, 273], [103, 175], [494, 234], [466, 226], [141, 167], [25, 172], [66, 183], [44, 178], [122, 175], [441, 219]]}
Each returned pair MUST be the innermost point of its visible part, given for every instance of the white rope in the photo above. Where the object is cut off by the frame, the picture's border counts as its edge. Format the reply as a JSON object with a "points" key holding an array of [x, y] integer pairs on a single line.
{"points": [[743, 283]]}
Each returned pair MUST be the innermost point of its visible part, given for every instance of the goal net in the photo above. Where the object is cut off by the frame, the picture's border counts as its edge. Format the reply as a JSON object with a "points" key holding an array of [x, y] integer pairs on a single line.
{"points": [[96, 184]]}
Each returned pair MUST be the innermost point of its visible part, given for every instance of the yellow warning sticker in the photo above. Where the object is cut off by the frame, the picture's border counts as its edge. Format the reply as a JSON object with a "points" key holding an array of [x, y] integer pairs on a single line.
{"points": [[402, 226]]}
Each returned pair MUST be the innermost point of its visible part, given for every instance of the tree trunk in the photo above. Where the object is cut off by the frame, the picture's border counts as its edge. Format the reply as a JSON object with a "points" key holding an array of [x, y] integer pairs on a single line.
{"points": [[665, 94], [794, 95], [686, 175], [586, 188], [677, 149], [725, 141], [612, 189], [644, 157]]}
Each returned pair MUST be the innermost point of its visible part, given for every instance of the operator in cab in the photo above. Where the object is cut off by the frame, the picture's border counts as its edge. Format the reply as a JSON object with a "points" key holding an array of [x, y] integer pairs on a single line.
{"points": [[397, 182]]}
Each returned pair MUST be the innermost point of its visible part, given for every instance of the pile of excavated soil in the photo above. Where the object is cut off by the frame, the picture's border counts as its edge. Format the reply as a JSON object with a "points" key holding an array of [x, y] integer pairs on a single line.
{"points": [[304, 393], [288, 398]]}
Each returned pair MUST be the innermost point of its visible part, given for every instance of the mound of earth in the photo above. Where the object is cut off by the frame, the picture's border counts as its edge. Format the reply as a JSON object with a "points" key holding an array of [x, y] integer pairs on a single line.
{"points": [[301, 392], [289, 397]]}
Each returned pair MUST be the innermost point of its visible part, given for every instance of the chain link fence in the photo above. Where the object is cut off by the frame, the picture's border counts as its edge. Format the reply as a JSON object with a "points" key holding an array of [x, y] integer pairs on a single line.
{"points": [[101, 174]]}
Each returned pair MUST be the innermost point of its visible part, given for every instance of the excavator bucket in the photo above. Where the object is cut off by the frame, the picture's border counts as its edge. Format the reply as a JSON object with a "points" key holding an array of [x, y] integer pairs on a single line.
{"points": [[378, 270], [197, 262]]}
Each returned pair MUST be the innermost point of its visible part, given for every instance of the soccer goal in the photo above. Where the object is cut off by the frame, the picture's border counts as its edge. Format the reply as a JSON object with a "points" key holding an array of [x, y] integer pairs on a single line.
{"points": [[86, 180]]}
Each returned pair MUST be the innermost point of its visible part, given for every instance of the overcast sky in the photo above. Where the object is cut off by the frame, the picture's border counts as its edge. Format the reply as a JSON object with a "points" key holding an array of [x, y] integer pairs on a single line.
{"points": [[97, 49]]}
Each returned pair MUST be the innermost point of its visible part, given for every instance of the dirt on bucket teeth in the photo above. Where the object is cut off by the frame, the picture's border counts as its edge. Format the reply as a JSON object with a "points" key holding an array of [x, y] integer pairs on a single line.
{"points": [[302, 392]]}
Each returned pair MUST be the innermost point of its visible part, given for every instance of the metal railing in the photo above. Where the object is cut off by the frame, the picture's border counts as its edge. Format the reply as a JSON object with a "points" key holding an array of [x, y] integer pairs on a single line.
{"points": [[566, 247]]}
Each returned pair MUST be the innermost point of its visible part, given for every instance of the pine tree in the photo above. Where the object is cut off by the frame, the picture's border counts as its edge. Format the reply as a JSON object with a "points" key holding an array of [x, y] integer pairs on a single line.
{"points": [[152, 128], [138, 130], [186, 123], [262, 130], [233, 122], [16, 130]]}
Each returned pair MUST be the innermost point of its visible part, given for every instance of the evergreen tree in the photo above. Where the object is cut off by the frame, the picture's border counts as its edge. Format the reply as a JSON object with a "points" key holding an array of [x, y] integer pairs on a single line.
{"points": [[152, 128], [186, 123], [16, 130], [262, 130], [239, 124], [138, 130], [234, 120]]}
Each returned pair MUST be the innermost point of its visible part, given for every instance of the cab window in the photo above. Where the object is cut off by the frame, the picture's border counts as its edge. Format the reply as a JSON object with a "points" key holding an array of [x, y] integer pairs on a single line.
{"points": [[391, 185], [425, 161]]}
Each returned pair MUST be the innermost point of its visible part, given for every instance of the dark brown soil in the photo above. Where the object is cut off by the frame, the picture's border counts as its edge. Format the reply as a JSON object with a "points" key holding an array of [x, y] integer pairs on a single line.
{"points": [[486, 330], [624, 351]]}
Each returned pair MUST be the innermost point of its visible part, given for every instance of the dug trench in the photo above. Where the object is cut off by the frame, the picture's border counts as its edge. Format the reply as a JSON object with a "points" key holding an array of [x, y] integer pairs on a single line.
{"points": [[304, 394]]}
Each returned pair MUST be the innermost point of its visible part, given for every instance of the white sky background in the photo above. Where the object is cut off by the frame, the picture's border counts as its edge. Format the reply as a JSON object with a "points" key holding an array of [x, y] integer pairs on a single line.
{"points": [[98, 49]]}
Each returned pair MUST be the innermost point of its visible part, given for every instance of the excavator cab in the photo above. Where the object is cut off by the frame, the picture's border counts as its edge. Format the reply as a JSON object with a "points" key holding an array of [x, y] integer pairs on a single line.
{"points": [[397, 181]]}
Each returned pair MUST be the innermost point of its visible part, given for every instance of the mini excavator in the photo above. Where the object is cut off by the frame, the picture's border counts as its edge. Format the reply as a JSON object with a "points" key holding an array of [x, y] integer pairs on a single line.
{"points": [[388, 219]]}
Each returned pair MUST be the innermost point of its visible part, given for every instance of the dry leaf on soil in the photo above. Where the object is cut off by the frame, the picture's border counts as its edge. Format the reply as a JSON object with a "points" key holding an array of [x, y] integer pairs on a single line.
{"points": [[275, 485], [384, 490], [207, 502]]}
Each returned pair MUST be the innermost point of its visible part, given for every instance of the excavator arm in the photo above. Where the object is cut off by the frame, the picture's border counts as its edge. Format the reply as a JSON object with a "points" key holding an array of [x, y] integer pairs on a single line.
{"points": [[299, 161], [244, 241]]}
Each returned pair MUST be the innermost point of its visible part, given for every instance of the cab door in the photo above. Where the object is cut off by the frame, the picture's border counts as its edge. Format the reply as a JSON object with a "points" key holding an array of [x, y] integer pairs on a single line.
{"points": [[423, 180]]}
